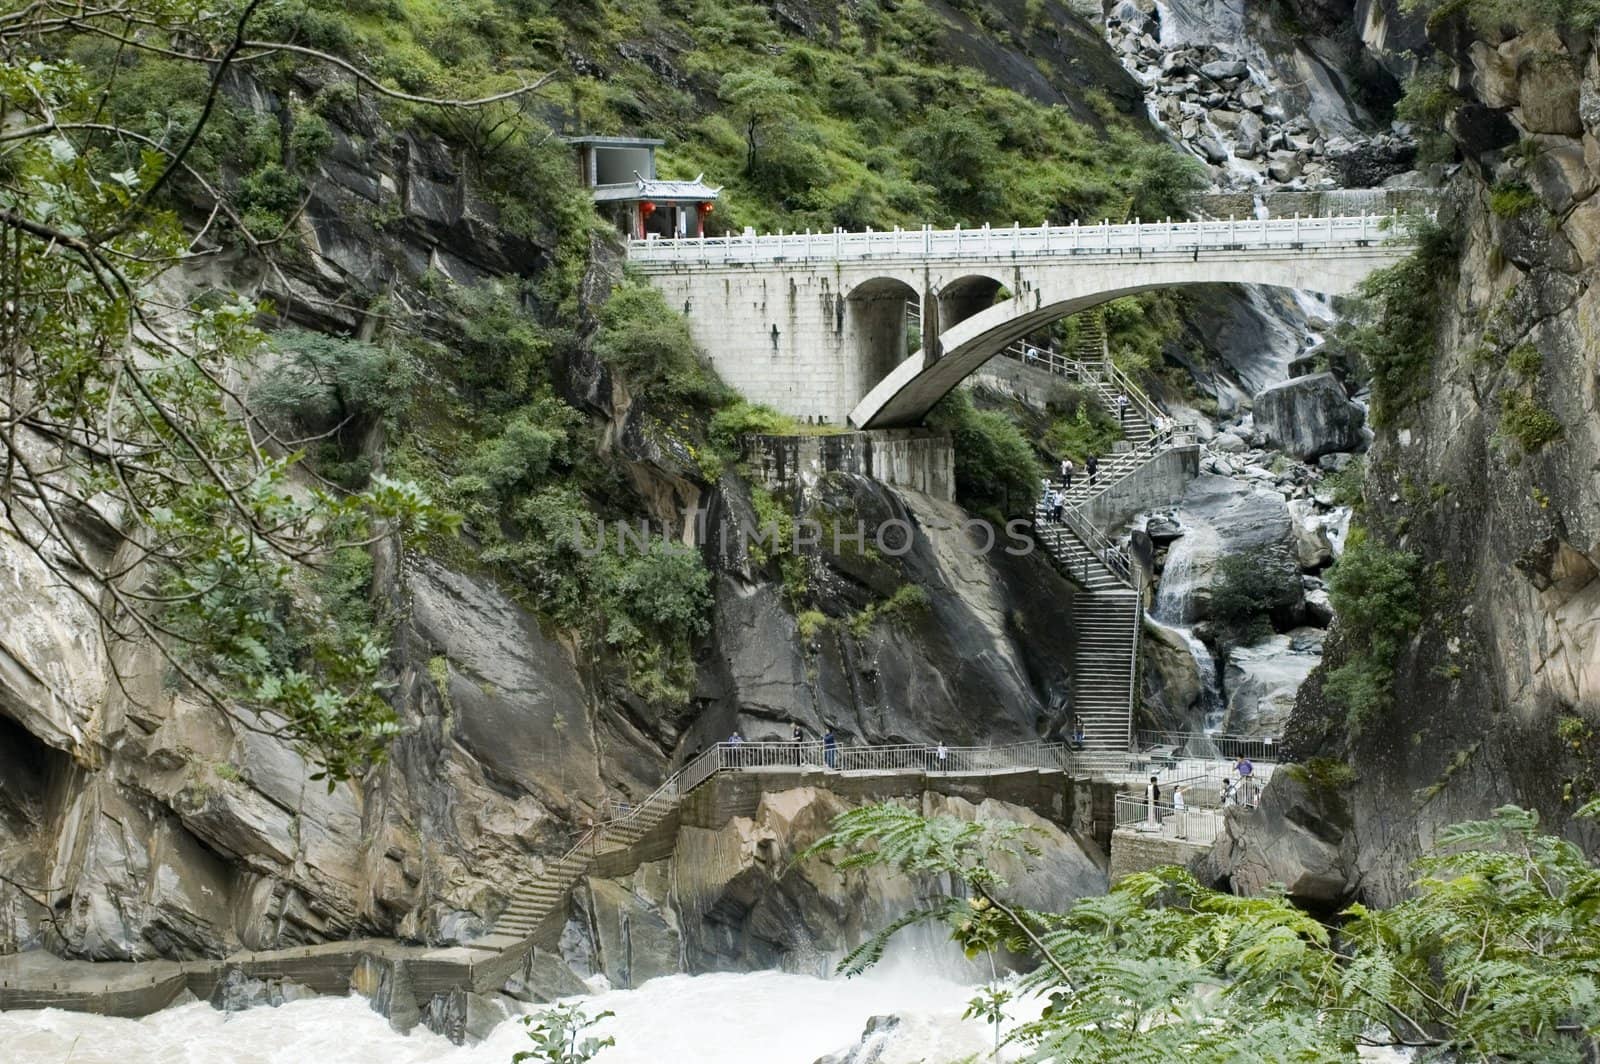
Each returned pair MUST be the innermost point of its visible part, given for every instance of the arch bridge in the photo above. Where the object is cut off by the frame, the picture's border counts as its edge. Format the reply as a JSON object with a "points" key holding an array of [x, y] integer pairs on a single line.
{"points": [[874, 328]]}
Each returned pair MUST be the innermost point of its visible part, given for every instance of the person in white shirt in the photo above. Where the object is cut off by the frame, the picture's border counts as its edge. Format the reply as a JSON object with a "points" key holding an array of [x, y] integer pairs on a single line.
{"points": [[1180, 812]]}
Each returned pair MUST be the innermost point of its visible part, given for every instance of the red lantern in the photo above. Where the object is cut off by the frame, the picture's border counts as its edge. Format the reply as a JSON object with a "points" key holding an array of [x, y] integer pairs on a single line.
{"points": [[705, 208], [647, 208]]}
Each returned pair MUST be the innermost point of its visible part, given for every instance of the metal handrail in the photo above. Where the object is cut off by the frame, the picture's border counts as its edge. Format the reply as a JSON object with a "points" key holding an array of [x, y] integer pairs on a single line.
{"points": [[1130, 811], [1213, 746], [1347, 231]]}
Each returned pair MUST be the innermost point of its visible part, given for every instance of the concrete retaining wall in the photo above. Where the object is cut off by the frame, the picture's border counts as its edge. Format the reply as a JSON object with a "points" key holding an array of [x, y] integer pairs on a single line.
{"points": [[1159, 482], [1133, 851], [919, 459]]}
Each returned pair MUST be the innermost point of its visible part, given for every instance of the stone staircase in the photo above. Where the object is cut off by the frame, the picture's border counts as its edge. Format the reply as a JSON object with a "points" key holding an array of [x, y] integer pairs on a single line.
{"points": [[1108, 613], [536, 911]]}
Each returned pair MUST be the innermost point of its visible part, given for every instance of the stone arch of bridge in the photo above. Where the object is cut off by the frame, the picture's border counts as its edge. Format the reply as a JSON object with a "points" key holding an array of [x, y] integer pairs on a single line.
{"points": [[964, 297], [904, 395], [879, 313]]}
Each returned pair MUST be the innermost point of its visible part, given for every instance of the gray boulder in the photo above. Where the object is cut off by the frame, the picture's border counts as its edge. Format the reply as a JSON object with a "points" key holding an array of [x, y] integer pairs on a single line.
{"points": [[1310, 416], [1299, 837], [1222, 69], [1262, 682]]}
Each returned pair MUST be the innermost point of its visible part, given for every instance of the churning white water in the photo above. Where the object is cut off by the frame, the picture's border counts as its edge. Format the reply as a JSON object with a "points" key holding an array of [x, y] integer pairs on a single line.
{"points": [[1211, 705], [757, 1018]]}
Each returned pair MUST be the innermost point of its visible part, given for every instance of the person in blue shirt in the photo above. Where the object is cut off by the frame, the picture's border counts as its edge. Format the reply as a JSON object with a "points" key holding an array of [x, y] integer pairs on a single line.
{"points": [[830, 749]]}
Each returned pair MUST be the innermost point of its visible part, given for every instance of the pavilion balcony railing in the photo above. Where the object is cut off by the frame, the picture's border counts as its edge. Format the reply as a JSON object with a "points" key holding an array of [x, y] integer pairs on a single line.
{"points": [[1019, 242]]}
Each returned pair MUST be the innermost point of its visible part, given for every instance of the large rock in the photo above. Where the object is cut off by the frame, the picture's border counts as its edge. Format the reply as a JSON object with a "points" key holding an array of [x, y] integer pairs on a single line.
{"points": [[1310, 416], [635, 926], [1298, 837], [746, 904], [1547, 90], [1262, 681], [1312, 547], [518, 703], [1222, 516], [1171, 678]]}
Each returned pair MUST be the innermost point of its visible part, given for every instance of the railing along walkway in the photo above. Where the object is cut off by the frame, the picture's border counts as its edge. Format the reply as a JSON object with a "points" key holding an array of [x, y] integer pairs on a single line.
{"points": [[535, 903], [1233, 234]]}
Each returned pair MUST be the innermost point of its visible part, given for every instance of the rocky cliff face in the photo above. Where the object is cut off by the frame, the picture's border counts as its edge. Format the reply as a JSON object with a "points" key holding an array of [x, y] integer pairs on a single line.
{"points": [[138, 822], [1490, 478]]}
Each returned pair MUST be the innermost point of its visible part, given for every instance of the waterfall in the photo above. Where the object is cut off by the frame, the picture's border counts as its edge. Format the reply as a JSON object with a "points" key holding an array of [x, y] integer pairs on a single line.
{"points": [[1174, 610]]}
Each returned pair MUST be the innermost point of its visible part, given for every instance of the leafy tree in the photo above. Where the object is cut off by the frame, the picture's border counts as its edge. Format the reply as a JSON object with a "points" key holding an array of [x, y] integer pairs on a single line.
{"points": [[118, 410], [1249, 587], [955, 153], [762, 102], [1165, 183], [995, 466], [1495, 958], [1392, 330]]}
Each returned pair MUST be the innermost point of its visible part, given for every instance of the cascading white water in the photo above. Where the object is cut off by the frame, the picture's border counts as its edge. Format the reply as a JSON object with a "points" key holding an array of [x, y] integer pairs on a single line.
{"points": [[1212, 708], [766, 1017], [1174, 610]]}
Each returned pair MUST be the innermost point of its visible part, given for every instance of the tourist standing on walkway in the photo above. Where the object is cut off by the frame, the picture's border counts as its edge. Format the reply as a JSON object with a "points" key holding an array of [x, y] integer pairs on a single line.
{"points": [[1122, 407], [1055, 499], [1245, 770], [1092, 465], [1030, 355], [1067, 469], [1152, 796], [830, 750], [1077, 733], [1180, 812], [942, 753]]}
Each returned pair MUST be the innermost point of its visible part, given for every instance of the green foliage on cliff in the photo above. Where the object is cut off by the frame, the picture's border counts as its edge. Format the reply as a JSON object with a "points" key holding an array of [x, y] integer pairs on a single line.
{"points": [[1524, 420], [1374, 590], [210, 544], [541, 510], [1494, 958], [1428, 99], [996, 471], [1492, 16], [1393, 328], [650, 345], [1249, 586], [1511, 198], [1082, 425]]}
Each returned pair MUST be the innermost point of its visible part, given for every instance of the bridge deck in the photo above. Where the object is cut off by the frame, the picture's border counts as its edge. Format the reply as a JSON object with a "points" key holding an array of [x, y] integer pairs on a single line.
{"points": [[1017, 242]]}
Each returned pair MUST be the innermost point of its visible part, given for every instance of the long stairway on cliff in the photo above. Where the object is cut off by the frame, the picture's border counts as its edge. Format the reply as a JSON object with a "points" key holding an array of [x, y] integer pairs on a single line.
{"points": [[1108, 612]]}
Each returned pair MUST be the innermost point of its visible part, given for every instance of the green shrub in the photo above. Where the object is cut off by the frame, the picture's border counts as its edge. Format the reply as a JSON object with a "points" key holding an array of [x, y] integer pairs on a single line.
{"points": [[1249, 587], [995, 466], [1524, 420], [1376, 598], [1392, 330], [1083, 427], [503, 353], [320, 381], [744, 418], [649, 344], [908, 602], [1345, 483], [1511, 198], [1525, 361]]}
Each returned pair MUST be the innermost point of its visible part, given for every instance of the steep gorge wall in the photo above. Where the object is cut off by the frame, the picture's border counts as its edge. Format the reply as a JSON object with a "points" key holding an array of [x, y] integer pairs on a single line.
{"points": [[1497, 698]]}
